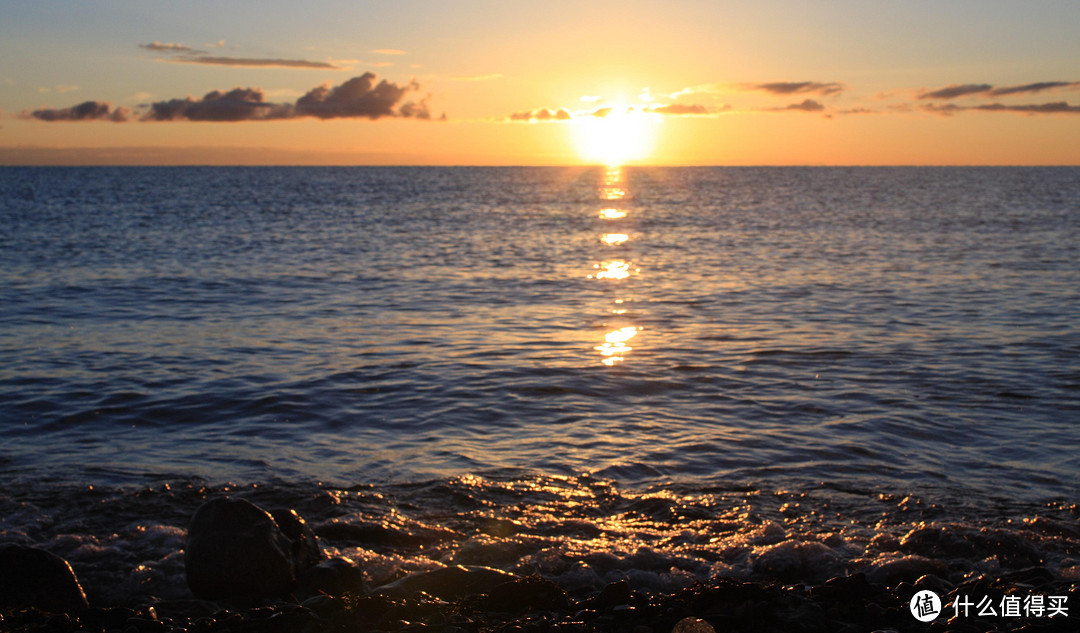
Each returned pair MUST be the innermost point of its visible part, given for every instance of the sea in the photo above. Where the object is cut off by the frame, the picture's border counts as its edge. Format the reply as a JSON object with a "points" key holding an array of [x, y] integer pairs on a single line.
{"points": [[653, 374]]}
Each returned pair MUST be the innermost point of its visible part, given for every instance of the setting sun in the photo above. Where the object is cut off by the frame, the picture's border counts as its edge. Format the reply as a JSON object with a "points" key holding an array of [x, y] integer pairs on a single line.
{"points": [[615, 136]]}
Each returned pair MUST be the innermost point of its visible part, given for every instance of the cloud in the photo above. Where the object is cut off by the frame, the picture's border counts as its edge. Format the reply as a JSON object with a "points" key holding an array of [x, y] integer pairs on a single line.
{"points": [[714, 88], [388, 51], [1033, 88], [359, 97], [159, 47], [1058, 107], [797, 87], [85, 111], [251, 62], [807, 105], [239, 104], [679, 109], [182, 54], [543, 114], [952, 91]]}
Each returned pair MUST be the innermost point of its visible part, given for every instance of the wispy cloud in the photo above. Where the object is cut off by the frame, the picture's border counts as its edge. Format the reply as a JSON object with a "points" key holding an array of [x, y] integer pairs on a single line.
{"points": [[711, 88], [1035, 87], [251, 62], [807, 105], [183, 54], [541, 114], [797, 87], [954, 91], [680, 109], [565, 114], [778, 88], [359, 97], [159, 47], [1058, 107]]}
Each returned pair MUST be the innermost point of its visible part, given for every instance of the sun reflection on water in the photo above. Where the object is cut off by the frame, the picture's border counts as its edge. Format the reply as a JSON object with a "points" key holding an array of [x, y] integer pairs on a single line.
{"points": [[613, 269], [615, 346]]}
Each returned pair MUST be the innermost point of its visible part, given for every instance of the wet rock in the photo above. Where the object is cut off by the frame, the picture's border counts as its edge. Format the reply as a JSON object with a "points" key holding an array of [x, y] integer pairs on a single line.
{"points": [[856, 587], [907, 569], [448, 583], [527, 594], [384, 534], [31, 577], [613, 595], [237, 549], [305, 547], [334, 577], [693, 625]]}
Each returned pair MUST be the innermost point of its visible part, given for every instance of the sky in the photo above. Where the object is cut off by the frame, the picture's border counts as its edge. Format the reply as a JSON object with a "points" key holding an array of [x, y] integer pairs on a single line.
{"points": [[471, 82]]}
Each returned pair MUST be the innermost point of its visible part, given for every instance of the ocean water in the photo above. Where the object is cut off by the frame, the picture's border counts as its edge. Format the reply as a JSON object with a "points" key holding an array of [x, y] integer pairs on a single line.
{"points": [[657, 373]]}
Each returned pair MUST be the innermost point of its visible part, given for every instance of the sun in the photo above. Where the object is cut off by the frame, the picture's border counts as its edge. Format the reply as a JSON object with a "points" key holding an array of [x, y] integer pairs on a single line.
{"points": [[622, 135]]}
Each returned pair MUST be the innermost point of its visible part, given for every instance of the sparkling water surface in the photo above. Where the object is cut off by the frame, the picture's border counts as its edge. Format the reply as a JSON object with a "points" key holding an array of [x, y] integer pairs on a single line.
{"points": [[877, 328]]}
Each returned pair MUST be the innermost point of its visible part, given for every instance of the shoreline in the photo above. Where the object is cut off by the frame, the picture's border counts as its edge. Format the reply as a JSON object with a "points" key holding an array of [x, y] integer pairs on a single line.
{"points": [[543, 555]]}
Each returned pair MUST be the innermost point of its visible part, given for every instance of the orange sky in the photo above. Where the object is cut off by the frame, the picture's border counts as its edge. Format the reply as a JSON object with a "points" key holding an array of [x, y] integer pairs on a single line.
{"points": [[778, 83]]}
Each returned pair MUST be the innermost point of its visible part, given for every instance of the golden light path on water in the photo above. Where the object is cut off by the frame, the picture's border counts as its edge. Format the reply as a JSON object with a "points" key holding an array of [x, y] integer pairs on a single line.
{"points": [[614, 270]]}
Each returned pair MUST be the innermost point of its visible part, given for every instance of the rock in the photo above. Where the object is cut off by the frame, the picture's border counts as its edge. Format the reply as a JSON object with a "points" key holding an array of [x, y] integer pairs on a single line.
{"points": [[31, 577], [448, 583], [907, 568], [527, 594], [692, 625], [334, 577], [236, 549], [613, 595], [305, 547]]}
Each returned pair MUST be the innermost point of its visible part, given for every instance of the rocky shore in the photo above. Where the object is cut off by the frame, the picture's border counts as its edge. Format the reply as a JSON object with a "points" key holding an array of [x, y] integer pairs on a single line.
{"points": [[249, 570], [534, 605]]}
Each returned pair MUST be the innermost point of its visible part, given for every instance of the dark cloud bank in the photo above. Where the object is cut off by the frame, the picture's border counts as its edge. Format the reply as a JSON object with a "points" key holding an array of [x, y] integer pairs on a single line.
{"points": [[359, 97]]}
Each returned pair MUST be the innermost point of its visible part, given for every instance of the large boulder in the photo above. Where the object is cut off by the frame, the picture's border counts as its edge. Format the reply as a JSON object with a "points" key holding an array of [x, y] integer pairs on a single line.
{"points": [[31, 577], [235, 549]]}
